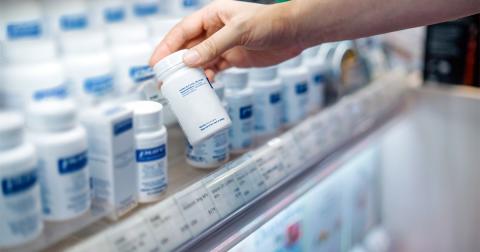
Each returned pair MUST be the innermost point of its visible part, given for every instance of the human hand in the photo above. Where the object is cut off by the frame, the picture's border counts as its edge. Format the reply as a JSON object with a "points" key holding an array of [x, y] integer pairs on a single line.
{"points": [[229, 33]]}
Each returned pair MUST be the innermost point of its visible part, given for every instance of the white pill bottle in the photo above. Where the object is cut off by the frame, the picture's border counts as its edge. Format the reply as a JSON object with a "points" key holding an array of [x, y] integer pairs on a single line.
{"points": [[317, 78], [192, 98], [294, 77], [214, 151], [20, 20], [20, 207], [239, 99], [89, 66], [268, 101], [66, 16], [62, 150], [150, 150]]}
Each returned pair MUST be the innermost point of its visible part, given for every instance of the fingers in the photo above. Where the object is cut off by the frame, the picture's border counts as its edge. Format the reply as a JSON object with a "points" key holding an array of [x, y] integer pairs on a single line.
{"points": [[212, 47], [181, 33]]}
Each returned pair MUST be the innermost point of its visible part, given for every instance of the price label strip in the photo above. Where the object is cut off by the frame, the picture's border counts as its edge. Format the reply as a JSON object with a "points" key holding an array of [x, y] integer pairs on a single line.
{"points": [[197, 207], [268, 162], [291, 154], [96, 243], [304, 137], [319, 132], [131, 236], [224, 191], [249, 179], [167, 224]]}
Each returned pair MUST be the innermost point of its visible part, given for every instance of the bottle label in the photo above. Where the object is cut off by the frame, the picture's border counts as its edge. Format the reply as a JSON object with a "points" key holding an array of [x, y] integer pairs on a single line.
{"points": [[241, 131], [53, 92], [72, 164], [145, 9], [275, 98], [319, 79], [99, 85], [20, 183], [246, 112], [212, 151], [301, 88], [73, 22], [114, 15], [268, 111], [147, 155], [122, 126], [29, 29], [141, 73], [190, 3]]}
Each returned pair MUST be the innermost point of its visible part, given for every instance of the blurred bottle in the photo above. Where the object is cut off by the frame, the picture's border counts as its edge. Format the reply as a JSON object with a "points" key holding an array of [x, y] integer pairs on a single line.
{"points": [[32, 72], [20, 19], [105, 12], [64, 16]]}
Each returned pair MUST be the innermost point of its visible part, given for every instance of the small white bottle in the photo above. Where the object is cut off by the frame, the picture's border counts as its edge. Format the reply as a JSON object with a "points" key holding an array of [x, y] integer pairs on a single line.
{"points": [[294, 78], [192, 98], [131, 52], [32, 72], [150, 150], [89, 66], [62, 150], [268, 101], [317, 78], [144, 8], [20, 207], [20, 19], [214, 151], [239, 99], [105, 12], [65, 16]]}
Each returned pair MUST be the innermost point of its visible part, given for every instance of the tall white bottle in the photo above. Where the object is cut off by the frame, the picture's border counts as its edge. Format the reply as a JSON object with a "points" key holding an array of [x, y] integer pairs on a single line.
{"points": [[294, 78], [268, 101], [32, 73], [20, 208], [131, 52], [239, 99], [62, 150], [89, 66], [317, 78], [150, 150]]}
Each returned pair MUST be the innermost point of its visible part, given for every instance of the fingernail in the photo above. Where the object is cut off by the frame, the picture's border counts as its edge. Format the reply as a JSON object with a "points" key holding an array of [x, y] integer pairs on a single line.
{"points": [[191, 57]]}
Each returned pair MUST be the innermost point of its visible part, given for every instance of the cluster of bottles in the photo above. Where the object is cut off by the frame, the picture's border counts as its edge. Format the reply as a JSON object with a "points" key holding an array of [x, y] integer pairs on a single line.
{"points": [[261, 102]]}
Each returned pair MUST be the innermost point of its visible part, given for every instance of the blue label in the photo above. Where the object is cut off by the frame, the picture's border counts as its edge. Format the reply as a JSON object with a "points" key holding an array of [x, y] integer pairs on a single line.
{"points": [[19, 183], [72, 164], [190, 3], [319, 79], [275, 98], [142, 10], [146, 155], [141, 73], [55, 92], [98, 85], [24, 30], [113, 15], [73, 22], [301, 88], [246, 112], [122, 126]]}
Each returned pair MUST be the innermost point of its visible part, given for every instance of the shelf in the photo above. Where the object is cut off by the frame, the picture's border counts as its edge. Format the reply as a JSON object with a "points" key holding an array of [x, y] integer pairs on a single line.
{"points": [[197, 201]]}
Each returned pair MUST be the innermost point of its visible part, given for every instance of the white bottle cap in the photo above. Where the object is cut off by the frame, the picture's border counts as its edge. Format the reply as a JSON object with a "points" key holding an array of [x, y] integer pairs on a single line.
{"points": [[51, 115], [291, 63], [162, 25], [234, 78], [147, 115], [11, 129], [30, 51], [310, 53], [83, 41], [263, 73], [171, 62], [127, 33]]}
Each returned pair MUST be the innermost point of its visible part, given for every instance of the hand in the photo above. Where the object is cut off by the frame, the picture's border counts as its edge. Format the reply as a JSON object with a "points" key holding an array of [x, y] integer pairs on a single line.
{"points": [[231, 33]]}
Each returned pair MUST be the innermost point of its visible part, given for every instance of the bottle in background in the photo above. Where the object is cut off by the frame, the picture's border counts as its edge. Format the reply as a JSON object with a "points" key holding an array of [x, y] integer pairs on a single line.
{"points": [[21, 19], [20, 207], [317, 78], [65, 16], [105, 12]]}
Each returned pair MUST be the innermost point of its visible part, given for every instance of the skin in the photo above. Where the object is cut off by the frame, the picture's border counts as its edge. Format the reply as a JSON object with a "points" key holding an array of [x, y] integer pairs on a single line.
{"points": [[229, 33]]}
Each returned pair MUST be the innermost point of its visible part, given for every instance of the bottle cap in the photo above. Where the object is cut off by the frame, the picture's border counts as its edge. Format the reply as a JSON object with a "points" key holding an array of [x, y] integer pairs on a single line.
{"points": [[30, 51], [168, 63], [127, 33], [234, 78], [51, 115], [147, 115], [83, 41], [263, 73], [291, 63], [11, 129], [310, 53]]}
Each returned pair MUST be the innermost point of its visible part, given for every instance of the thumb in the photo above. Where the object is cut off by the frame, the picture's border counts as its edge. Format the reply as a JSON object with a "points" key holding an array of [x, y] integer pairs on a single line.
{"points": [[212, 47]]}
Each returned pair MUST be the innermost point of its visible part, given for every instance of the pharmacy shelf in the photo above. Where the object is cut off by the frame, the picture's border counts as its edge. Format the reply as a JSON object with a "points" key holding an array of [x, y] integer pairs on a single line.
{"points": [[199, 202]]}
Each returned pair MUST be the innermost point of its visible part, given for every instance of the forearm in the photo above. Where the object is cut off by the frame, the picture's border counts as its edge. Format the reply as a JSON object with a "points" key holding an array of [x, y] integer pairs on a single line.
{"points": [[319, 21]]}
